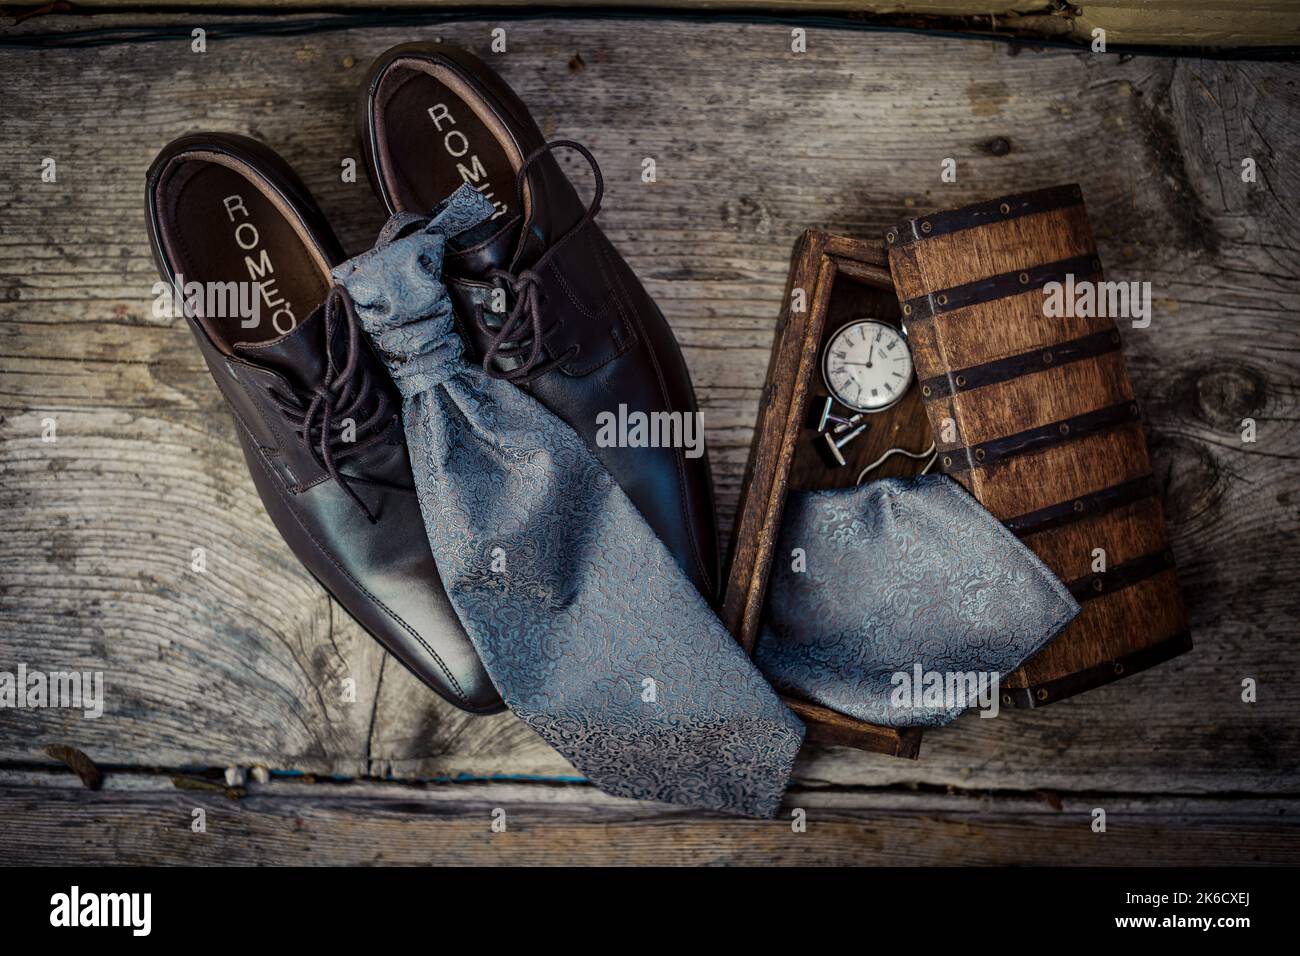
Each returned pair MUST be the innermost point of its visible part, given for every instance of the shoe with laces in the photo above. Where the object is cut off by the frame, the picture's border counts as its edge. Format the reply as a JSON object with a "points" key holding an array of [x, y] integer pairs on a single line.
{"points": [[238, 236], [543, 299]]}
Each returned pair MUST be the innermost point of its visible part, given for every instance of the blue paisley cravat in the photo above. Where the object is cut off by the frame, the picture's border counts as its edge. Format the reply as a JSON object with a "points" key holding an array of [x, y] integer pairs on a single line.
{"points": [[900, 579], [587, 626]]}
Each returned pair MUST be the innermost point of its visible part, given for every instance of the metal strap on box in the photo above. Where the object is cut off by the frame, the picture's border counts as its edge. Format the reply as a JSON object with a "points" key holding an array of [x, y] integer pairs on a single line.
{"points": [[1015, 366], [925, 307], [1038, 439], [982, 214], [1121, 576], [1084, 506], [1046, 692]]}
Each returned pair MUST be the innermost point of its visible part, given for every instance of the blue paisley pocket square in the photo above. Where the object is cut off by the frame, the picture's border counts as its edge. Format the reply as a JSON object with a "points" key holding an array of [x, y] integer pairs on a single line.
{"points": [[902, 602]]}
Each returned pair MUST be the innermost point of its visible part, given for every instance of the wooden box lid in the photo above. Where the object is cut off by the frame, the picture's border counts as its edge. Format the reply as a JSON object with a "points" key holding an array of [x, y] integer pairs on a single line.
{"points": [[1034, 413]]}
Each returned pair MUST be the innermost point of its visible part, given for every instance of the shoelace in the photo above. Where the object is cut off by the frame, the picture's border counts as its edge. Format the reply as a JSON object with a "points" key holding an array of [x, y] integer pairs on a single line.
{"points": [[320, 415], [523, 324]]}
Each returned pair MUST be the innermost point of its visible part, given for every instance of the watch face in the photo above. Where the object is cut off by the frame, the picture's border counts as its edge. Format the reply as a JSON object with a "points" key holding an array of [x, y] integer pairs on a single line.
{"points": [[867, 365]]}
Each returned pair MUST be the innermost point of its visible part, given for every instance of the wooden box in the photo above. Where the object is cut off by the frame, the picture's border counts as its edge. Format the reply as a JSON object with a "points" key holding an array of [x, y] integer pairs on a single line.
{"points": [[832, 281], [1035, 415]]}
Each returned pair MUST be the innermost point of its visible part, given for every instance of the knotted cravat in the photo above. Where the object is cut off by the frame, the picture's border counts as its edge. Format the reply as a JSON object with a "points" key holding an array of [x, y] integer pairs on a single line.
{"points": [[902, 593], [590, 631]]}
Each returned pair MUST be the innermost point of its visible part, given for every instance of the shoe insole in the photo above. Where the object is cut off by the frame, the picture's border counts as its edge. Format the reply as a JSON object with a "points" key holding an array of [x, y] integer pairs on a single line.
{"points": [[432, 140], [224, 229]]}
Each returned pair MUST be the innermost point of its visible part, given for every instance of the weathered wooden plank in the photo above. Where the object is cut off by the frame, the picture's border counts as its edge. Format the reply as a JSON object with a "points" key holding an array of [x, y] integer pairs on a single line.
{"points": [[144, 819], [244, 664], [1186, 23], [1181, 24]]}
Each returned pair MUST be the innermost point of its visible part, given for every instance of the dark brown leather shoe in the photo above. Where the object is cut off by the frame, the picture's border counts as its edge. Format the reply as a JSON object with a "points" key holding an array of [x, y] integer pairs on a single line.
{"points": [[575, 328], [316, 413]]}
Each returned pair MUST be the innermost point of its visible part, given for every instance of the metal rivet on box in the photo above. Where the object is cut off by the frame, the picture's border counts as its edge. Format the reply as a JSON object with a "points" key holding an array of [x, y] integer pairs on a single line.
{"points": [[1098, 584], [1064, 429], [947, 461], [1042, 694], [943, 300], [1119, 667], [1004, 208], [1078, 505], [1024, 278], [889, 236], [1006, 698], [907, 310], [979, 454], [926, 227], [961, 380], [1047, 358], [925, 390]]}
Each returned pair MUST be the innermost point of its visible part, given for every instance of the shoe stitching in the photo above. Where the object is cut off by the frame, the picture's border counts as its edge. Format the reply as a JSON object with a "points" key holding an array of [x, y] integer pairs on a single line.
{"points": [[479, 247], [460, 693], [610, 283], [173, 205], [275, 432]]}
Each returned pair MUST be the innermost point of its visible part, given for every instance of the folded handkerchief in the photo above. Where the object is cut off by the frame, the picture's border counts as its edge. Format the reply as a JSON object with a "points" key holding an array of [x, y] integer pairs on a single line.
{"points": [[902, 602]]}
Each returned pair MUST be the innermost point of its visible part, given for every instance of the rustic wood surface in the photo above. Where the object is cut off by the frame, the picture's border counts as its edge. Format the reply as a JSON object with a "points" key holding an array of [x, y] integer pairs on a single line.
{"points": [[1218, 23], [146, 818], [244, 665]]}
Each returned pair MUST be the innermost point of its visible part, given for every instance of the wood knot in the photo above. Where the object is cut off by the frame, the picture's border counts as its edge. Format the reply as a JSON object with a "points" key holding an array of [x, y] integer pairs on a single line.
{"points": [[1191, 480], [1223, 396]]}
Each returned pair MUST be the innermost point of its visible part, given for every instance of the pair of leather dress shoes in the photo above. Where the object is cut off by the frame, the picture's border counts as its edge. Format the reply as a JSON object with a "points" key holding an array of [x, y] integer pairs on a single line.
{"points": [[316, 414]]}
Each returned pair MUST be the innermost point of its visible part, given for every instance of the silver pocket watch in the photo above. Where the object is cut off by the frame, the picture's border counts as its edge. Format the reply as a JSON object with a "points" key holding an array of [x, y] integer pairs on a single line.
{"points": [[867, 366]]}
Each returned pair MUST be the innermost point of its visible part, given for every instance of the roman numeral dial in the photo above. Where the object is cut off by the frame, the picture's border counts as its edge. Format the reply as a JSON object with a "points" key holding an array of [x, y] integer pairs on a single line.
{"points": [[867, 365]]}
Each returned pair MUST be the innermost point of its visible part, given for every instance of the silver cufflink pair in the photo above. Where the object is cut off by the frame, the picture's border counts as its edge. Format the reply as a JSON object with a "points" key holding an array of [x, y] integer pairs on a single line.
{"points": [[836, 431]]}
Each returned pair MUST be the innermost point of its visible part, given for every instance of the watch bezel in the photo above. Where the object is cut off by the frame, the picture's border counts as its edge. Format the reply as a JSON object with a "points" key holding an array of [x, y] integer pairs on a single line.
{"points": [[826, 354]]}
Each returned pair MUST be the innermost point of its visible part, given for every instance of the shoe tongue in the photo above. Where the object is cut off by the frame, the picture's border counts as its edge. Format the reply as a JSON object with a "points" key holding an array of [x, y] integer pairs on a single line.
{"points": [[512, 243], [490, 245], [298, 355]]}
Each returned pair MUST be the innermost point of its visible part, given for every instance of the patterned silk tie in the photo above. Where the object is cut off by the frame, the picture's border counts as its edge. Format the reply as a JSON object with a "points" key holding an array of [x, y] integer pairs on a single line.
{"points": [[906, 587], [587, 626]]}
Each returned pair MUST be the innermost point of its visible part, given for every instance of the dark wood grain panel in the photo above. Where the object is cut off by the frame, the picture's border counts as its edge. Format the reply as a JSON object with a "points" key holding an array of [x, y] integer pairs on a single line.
{"points": [[1223, 24], [1113, 634], [966, 342]]}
